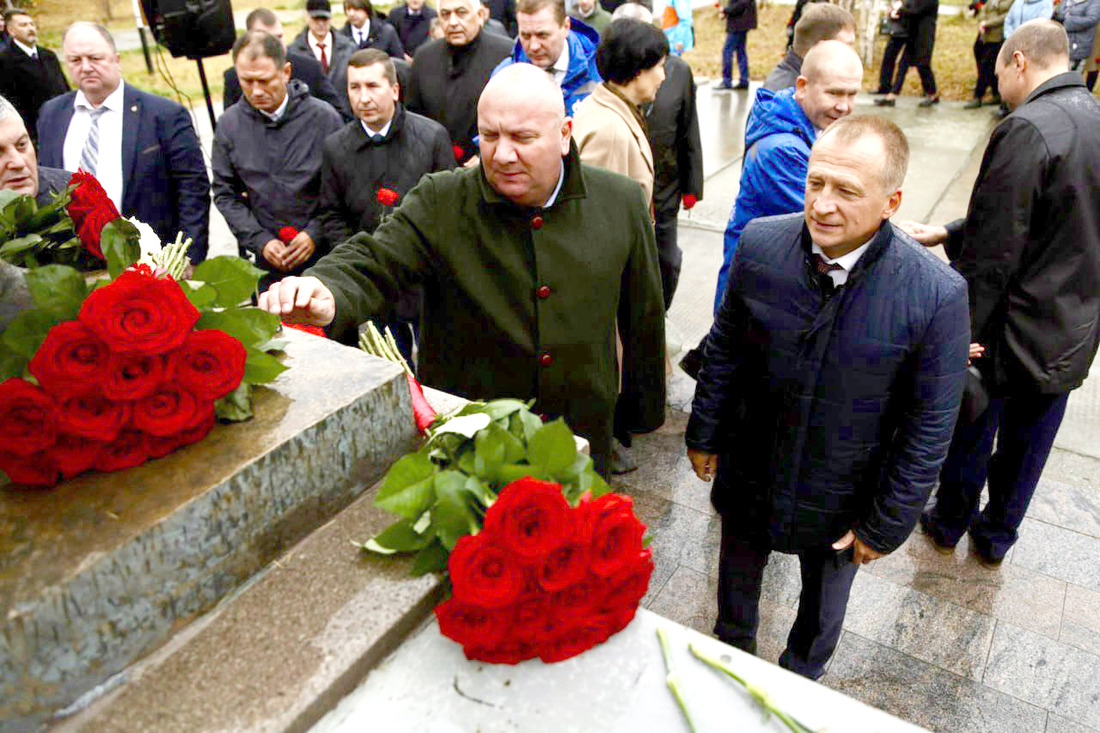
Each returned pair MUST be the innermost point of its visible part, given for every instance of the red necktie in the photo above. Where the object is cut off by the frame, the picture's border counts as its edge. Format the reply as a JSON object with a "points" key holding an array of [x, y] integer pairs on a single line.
{"points": [[324, 58]]}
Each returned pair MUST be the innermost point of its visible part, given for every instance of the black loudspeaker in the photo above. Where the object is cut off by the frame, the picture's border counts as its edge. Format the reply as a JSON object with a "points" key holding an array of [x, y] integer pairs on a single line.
{"points": [[192, 28]]}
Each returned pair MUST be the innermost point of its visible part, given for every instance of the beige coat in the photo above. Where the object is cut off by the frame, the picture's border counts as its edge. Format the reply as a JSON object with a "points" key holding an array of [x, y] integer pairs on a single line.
{"points": [[608, 136]]}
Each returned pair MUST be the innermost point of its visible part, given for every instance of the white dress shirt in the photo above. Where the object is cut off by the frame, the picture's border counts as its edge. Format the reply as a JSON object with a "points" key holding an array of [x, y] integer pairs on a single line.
{"points": [[317, 49], [561, 66], [846, 262], [279, 111], [371, 133], [557, 189], [109, 162], [359, 34], [29, 50]]}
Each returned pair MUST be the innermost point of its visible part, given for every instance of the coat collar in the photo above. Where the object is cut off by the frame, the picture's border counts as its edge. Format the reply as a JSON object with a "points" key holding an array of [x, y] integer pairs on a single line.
{"points": [[879, 242], [1068, 79], [603, 96], [363, 141], [573, 187]]}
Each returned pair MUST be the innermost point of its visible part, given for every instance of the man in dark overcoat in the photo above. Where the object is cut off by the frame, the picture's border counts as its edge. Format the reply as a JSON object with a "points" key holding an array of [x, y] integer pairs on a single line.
{"points": [[830, 384], [518, 301], [1030, 249], [29, 74]]}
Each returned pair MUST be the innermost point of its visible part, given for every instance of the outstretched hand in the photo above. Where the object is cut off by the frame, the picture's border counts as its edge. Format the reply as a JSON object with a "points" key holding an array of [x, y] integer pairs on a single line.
{"points": [[927, 234], [705, 465], [300, 300]]}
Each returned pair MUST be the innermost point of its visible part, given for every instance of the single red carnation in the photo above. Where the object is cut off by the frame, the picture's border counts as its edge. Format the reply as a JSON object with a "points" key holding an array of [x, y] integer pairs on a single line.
{"points": [[170, 410], [460, 154], [471, 625], [28, 417], [74, 455], [616, 534], [565, 565], [484, 573], [531, 517], [70, 360], [287, 233], [211, 364], [129, 449], [90, 209], [138, 314], [93, 416], [132, 376], [387, 196], [37, 469]]}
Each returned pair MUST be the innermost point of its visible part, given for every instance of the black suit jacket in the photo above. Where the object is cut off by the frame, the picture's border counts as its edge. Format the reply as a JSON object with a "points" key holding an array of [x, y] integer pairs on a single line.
{"points": [[28, 83], [674, 138], [303, 68], [164, 180], [380, 35]]}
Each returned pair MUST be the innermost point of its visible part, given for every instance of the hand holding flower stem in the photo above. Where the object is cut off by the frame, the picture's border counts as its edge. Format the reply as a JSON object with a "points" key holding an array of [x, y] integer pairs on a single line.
{"points": [[672, 679]]}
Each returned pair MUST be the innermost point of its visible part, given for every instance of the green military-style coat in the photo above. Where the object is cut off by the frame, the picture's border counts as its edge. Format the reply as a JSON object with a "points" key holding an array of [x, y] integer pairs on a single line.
{"points": [[522, 302]]}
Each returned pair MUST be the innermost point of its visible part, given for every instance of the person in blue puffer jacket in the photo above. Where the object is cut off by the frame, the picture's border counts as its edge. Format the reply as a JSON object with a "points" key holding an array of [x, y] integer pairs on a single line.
{"points": [[1024, 10]]}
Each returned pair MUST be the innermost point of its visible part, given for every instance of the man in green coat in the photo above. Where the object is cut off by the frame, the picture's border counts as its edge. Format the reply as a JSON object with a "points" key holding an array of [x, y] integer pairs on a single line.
{"points": [[528, 262]]}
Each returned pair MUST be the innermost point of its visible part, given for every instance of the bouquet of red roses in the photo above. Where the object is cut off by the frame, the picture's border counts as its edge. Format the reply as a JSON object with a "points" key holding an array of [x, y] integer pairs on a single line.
{"points": [[543, 560]]}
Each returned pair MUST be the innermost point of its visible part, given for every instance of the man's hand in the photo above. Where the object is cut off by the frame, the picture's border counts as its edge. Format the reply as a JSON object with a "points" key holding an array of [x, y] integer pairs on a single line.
{"points": [[275, 253], [927, 234], [473, 162], [704, 464], [300, 249], [976, 350], [862, 554], [300, 300]]}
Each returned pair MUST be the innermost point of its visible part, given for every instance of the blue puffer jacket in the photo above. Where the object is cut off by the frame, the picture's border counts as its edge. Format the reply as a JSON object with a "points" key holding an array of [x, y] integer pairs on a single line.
{"points": [[836, 415], [582, 76], [1024, 10], [778, 138]]}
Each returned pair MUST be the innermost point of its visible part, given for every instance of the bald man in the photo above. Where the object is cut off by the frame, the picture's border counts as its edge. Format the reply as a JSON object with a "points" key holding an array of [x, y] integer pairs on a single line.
{"points": [[517, 301]]}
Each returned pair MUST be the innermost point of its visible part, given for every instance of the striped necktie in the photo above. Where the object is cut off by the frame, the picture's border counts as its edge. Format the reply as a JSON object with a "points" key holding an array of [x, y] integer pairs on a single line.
{"points": [[89, 157]]}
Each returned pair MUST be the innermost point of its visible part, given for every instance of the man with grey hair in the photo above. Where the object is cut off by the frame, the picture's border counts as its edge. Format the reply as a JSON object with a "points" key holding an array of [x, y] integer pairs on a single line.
{"points": [[830, 383], [19, 169], [142, 147], [517, 301], [1030, 249]]}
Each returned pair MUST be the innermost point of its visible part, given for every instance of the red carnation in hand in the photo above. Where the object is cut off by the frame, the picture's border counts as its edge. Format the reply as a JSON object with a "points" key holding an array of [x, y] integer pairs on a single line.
{"points": [[387, 196], [91, 210], [531, 517], [37, 469], [287, 233], [170, 410], [690, 201], [483, 573], [71, 359], [460, 154], [129, 449], [211, 364], [132, 376], [93, 416], [28, 417], [138, 314]]}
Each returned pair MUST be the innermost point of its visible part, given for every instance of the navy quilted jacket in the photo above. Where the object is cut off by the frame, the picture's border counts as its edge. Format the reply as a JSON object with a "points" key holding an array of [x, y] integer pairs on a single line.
{"points": [[835, 414]]}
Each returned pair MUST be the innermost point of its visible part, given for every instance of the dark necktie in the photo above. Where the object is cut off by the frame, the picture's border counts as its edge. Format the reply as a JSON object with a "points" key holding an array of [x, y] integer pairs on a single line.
{"points": [[377, 139], [823, 269]]}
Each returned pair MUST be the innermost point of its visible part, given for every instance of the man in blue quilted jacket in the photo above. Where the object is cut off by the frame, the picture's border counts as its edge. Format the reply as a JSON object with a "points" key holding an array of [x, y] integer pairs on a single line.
{"points": [[830, 385]]}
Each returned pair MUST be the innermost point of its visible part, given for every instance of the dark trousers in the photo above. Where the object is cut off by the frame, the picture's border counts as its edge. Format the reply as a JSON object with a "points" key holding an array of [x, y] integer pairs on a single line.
{"points": [[927, 78], [1024, 426], [889, 62], [735, 43], [669, 255], [827, 577], [985, 56]]}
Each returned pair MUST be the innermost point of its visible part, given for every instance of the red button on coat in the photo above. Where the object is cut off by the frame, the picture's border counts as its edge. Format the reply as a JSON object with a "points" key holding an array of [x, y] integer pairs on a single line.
{"points": [[543, 292], [546, 360], [537, 222]]}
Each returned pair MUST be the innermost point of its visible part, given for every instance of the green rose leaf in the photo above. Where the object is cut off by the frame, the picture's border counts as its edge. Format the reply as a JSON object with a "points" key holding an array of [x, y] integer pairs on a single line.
{"points": [[401, 536], [261, 367], [407, 487], [510, 472], [525, 424], [119, 243], [275, 345], [552, 448], [499, 409], [235, 406], [7, 196], [250, 326], [11, 363], [452, 514], [19, 245], [233, 279], [58, 289], [201, 295], [432, 559], [27, 331]]}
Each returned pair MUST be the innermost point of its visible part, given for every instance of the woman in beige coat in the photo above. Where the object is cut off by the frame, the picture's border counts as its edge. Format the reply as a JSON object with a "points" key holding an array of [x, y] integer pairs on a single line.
{"points": [[609, 126]]}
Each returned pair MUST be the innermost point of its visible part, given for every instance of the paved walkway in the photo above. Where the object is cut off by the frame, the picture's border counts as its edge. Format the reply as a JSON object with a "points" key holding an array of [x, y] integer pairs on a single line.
{"points": [[939, 641]]}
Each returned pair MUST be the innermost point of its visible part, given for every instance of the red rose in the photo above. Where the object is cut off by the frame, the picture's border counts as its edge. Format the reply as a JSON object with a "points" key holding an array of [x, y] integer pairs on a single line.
{"points": [[93, 416], [138, 314], [387, 196], [129, 449], [627, 587], [132, 376], [578, 600], [70, 360], [210, 364], [287, 233], [471, 625], [170, 410], [37, 469], [565, 565], [531, 517], [528, 614], [460, 154], [512, 651], [483, 573], [28, 417], [159, 446], [576, 639], [74, 455], [616, 534], [91, 210], [200, 431]]}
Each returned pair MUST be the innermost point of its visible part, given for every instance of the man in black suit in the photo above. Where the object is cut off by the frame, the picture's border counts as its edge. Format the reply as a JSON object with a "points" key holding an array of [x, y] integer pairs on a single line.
{"points": [[367, 30], [29, 74], [142, 147], [412, 20], [302, 67]]}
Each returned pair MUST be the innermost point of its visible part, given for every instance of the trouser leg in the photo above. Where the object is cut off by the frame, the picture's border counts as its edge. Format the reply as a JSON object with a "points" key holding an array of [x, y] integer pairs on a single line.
{"points": [[669, 255], [903, 69], [1028, 426], [827, 577], [727, 57], [742, 58], [927, 79], [741, 564], [889, 61]]}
